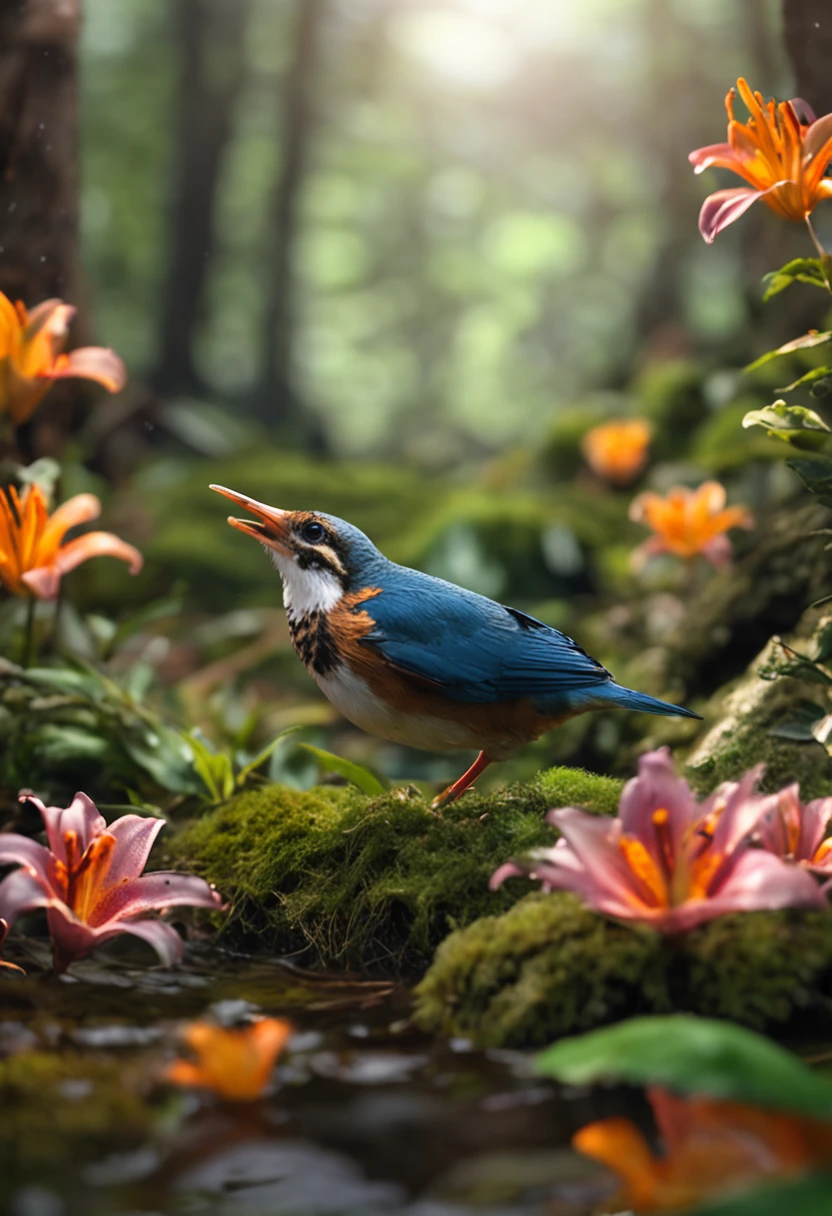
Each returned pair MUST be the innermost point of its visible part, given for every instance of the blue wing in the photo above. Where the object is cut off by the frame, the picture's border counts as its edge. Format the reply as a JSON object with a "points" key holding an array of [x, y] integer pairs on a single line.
{"points": [[477, 650]]}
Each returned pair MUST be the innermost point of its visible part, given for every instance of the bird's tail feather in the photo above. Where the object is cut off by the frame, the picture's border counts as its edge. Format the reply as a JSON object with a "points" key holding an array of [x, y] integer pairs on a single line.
{"points": [[627, 698]]}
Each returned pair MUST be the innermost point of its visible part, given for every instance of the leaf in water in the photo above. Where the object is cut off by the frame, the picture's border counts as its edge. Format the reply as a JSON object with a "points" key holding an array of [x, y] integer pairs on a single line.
{"points": [[794, 424], [810, 1196], [692, 1055], [805, 342], [366, 781], [799, 270], [816, 474]]}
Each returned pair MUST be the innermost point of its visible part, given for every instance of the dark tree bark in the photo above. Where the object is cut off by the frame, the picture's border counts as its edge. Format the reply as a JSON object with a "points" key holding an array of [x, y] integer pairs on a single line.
{"points": [[807, 27], [38, 149], [210, 36], [277, 399]]}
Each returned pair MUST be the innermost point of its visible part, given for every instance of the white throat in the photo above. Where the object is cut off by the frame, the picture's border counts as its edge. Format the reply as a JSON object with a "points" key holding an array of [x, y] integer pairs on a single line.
{"points": [[308, 591]]}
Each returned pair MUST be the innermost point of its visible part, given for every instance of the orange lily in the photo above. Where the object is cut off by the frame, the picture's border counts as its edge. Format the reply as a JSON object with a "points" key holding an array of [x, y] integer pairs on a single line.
{"points": [[710, 1146], [234, 1064], [781, 150], [32, 358], [617, 451], [33, 559], [689, 522]]}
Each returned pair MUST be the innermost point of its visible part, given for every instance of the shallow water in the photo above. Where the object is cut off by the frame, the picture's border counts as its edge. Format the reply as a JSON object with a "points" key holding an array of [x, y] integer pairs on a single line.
{"points": [[367, 1115]]}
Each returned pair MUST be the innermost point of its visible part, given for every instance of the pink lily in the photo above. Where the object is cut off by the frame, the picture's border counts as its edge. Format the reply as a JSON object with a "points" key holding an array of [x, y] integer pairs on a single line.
{"points": [[797, 832], [89, 879], [668, 861]]}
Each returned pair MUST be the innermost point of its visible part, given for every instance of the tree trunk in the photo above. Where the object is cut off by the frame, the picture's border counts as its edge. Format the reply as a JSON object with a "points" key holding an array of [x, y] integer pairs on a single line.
{"points": [[210, 36], [807, 27], [38, 149], [277, 399]]}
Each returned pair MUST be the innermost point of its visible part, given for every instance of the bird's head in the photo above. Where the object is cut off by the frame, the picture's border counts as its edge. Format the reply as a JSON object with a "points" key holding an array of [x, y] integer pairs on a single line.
{"points": [[319, 557]]}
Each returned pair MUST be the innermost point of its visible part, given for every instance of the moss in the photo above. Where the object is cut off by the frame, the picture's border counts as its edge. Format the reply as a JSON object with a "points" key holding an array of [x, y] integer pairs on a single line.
{"points": [[550, 967], [371, 882], [52, 1103], [744, 715]]}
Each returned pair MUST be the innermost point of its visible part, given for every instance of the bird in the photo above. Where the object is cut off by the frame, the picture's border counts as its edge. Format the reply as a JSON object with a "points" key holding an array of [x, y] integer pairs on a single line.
{"points": [[418, 660]]}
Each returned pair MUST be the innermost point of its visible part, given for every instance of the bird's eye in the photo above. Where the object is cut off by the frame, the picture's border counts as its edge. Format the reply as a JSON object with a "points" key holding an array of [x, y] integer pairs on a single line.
{"points": [[313, 532]]}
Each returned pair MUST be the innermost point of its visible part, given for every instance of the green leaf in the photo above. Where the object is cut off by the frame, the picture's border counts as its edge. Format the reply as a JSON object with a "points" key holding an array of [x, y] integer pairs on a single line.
{"points": [[793, 424], [692, 1055], [805, 342], [816, 474], [809, 1196], [816, 373], [799, 270], [262, 756], [366, 781]]}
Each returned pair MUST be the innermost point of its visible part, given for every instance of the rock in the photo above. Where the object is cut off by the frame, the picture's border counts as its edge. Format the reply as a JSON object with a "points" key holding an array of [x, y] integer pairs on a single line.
{"points": [[747, 710]]}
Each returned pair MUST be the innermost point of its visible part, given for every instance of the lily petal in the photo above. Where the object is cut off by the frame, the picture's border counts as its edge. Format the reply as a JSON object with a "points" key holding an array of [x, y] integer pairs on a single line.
{"points": [[20, 850], [44, 581], [81, 818], [154, 892], [723, 208], [97, 363], [162, 937], [134, 836]]}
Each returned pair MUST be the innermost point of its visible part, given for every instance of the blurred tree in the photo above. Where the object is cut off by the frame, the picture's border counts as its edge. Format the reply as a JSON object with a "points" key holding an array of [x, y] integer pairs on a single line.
{"points": [[807, 26], [276, 396], [38, 149], [210, 36]]}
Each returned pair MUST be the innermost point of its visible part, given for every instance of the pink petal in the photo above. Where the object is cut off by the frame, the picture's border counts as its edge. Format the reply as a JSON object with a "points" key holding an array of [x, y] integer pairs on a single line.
{"points": [[818, 135], [722, 208], [713, 154], [717, 551], [603, 873], [509, 869], [742, 812], [25, 852], [814, 825], [21, 892], [134, 836], [657, 787], [163, 938], [91, 363], [80, 817], [45, 580], [154, 892], [71, 938], [761, 881], [804, 112]]}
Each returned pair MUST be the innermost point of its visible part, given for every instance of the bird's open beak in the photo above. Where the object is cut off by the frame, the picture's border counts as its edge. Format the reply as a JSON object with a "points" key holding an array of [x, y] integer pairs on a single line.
{"points": [[271, 525]]}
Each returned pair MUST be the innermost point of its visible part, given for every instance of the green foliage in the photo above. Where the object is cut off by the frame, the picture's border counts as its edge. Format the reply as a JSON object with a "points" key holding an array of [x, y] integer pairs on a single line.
{"points": [[793, 424], [222, 773], [809, 1196], [816, 474], [799, 270], [359, 776], [549, 967], [692, 1055], [370, 883], [73, 727], [805, 342]]}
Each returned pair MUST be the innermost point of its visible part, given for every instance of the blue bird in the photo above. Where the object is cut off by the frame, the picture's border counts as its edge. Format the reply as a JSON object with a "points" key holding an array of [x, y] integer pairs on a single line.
{"points": [[420, 661]]}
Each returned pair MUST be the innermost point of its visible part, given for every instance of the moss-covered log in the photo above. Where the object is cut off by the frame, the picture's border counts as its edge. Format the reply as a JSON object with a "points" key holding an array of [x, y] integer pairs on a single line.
{"points": [[551, 967], [371, 883]]}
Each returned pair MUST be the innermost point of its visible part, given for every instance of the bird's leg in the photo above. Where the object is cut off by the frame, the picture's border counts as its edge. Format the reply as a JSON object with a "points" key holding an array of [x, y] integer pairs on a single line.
{"points": [[459, 787]]}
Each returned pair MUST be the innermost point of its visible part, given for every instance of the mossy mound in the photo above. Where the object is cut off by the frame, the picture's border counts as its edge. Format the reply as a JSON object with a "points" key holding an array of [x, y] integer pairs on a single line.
{"points": [[55, 1102], [550, 967], [371, 883]]}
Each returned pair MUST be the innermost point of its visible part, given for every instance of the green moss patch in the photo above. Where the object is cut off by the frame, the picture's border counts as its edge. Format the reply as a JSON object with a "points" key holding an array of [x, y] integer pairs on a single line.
{"points": [[550, 967], [53, 1103], [371, 883]]}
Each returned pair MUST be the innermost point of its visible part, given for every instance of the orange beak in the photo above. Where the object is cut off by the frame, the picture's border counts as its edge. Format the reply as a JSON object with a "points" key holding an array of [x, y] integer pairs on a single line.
{"points": [[271, 526]]}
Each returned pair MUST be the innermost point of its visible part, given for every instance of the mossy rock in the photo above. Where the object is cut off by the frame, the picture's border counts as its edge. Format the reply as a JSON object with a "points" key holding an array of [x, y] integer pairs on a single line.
{"points": [[551, 967], [371, 883], [55, 1103], [748, 710]]}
